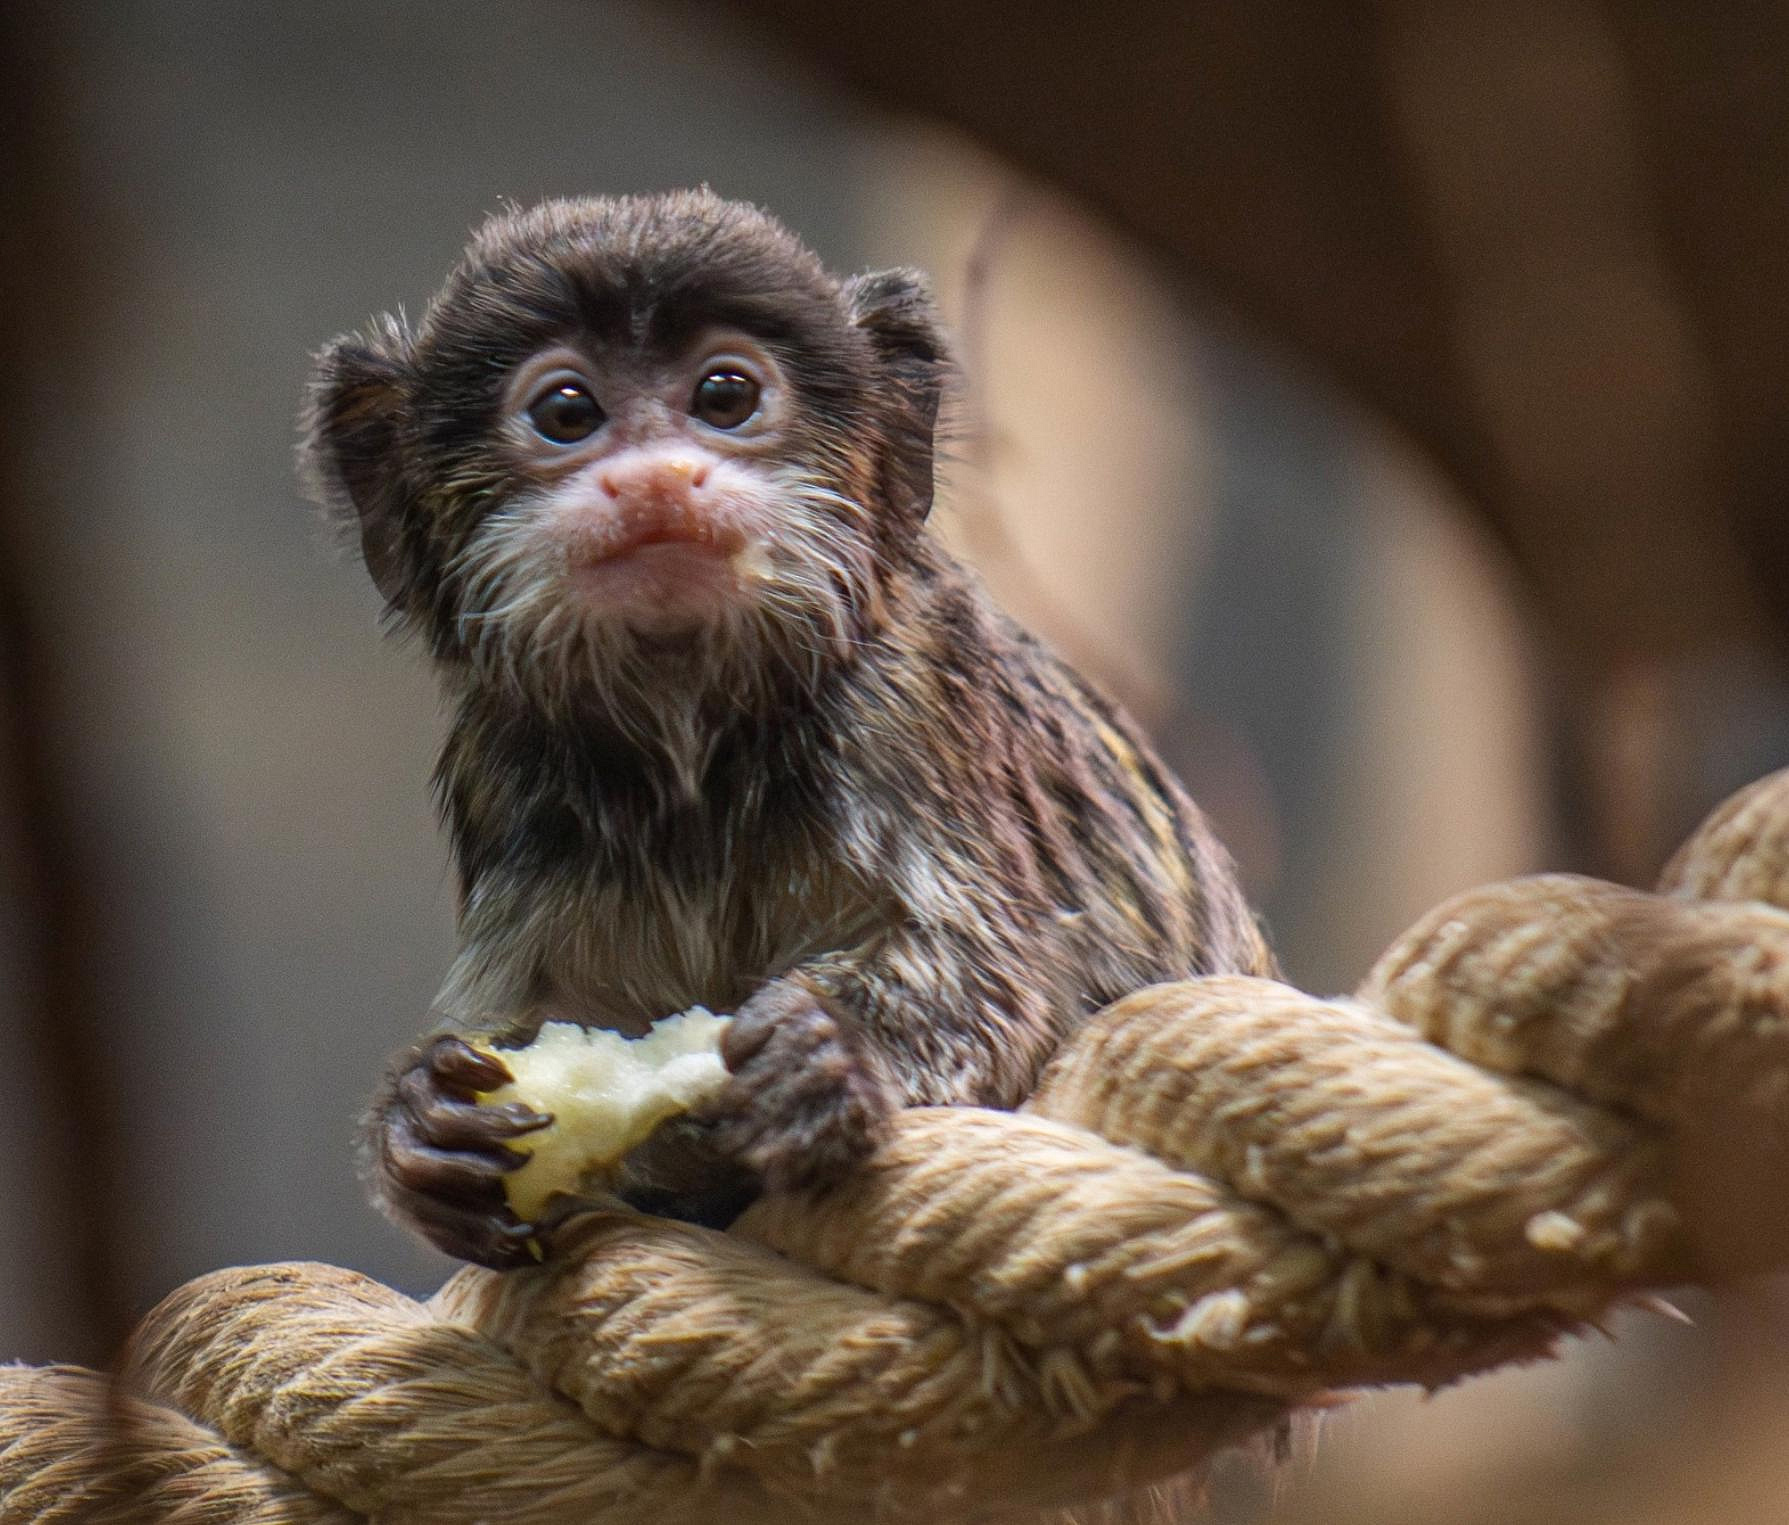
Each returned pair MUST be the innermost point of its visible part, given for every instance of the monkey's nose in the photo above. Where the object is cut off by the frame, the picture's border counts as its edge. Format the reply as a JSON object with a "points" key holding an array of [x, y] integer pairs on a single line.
{"points": [[690, 469], [653, 474]]}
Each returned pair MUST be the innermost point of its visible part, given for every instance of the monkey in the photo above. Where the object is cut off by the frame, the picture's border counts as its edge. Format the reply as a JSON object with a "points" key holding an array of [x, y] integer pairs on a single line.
{"points": [[729, 725]]}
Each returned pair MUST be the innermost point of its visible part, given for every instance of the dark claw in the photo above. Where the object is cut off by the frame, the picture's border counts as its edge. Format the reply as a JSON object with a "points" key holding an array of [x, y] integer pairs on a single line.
{"points": [[451, 1124], [443, 1156], [421, 1167], [458, 1067]]}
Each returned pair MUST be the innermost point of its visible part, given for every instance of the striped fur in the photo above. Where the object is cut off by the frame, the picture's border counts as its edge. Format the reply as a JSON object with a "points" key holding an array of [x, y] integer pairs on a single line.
{"points": [[868, 786]]}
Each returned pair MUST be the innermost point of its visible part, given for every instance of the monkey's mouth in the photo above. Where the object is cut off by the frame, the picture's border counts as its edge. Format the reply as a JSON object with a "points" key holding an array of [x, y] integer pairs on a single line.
{"points": [[656, 565], [651, 526]]}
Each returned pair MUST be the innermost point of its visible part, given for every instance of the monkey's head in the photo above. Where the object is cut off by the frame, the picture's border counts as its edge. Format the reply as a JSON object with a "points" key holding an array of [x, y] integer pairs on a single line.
{"points": [[636, 447]]}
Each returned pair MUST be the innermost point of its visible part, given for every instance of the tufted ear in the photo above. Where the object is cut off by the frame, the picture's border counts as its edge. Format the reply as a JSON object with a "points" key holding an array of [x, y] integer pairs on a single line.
{"points": [[894, 308], [352, 458]]}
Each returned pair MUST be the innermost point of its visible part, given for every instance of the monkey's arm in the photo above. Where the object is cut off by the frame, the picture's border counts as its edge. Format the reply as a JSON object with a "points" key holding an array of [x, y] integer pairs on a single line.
{"points": [[822, 1056]]}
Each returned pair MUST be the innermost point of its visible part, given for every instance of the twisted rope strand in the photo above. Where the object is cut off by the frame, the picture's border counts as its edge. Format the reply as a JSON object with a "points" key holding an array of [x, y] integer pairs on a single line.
{"points": [[75, 1448], [1226, 1198], [371, 1400]]}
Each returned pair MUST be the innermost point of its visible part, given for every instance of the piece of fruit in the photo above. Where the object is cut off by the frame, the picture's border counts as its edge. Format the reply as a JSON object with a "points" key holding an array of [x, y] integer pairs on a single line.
{"points": [[606, 1093]]}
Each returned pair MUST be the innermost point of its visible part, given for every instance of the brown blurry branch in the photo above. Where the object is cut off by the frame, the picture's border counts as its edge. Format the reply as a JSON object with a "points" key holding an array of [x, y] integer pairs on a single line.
{"points": [[1550, 241], [63, 1015]]}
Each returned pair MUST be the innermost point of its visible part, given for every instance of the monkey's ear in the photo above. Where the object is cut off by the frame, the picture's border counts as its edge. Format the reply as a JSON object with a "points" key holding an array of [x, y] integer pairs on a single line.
{"points": [[352, 457], [895, 310]]}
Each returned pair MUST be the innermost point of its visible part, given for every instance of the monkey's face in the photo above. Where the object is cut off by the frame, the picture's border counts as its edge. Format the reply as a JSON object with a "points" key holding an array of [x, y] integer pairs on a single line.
{"points": [[659, 507], [638, 449]]}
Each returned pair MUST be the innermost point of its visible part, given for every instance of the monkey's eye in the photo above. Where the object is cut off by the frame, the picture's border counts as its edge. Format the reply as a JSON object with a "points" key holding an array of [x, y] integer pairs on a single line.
{"points": [[565, 413], [725, 398]]}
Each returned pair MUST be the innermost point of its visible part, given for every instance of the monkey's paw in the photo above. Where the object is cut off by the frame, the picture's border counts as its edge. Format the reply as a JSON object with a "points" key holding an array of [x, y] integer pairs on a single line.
{"points": [[442, 1155], [801, 1106]]}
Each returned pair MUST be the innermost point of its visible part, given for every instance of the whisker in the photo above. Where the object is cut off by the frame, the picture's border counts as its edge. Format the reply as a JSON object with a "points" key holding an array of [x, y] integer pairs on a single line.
{"points": [[811, 608]]}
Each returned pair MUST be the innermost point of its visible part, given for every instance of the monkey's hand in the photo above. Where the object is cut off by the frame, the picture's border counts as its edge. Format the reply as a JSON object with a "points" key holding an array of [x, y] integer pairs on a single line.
{"points": [[440, 1156], [803, 1103]]}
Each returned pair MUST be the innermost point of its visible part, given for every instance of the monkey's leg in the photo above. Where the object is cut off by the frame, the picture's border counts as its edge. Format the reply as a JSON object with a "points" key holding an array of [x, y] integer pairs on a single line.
{"points": [[439, 1156]]}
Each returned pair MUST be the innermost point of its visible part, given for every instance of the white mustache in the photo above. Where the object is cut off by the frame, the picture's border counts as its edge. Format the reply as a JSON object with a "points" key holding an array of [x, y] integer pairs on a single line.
{"points": [[810, 585]]}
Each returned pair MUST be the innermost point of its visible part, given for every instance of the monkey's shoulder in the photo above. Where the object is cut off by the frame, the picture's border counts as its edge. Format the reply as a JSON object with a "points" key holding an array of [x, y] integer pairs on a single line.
{"points": [[1021, 779], [959, 708]]}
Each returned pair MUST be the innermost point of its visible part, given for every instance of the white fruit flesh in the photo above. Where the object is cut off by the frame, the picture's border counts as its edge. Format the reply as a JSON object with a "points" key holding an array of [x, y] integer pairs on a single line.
{"points": [[606, 1093]]}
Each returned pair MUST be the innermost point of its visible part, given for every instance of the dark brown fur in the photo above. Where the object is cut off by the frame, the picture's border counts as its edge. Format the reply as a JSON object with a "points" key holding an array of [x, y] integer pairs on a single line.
{"points": [[909, 853]]}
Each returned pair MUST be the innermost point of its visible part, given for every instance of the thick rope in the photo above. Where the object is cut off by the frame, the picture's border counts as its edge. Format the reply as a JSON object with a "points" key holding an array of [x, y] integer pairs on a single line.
{"points": [[1225, 1200]]}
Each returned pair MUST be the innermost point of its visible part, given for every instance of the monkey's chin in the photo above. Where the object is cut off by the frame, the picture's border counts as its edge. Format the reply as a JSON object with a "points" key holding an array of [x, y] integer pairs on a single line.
{"points": [[665, 593]]}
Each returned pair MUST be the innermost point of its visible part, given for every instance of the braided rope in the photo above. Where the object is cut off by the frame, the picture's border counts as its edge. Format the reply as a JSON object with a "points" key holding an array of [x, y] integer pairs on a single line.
{"points": [[1225, 1200]]}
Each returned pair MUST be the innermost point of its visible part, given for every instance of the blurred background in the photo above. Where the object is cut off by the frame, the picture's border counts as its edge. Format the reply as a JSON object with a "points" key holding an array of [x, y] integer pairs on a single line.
{"points": [[1390, 400]]}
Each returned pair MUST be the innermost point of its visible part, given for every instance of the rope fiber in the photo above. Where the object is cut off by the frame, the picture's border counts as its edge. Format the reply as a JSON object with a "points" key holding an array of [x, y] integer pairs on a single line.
{"points": [[1226, 1201]]}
